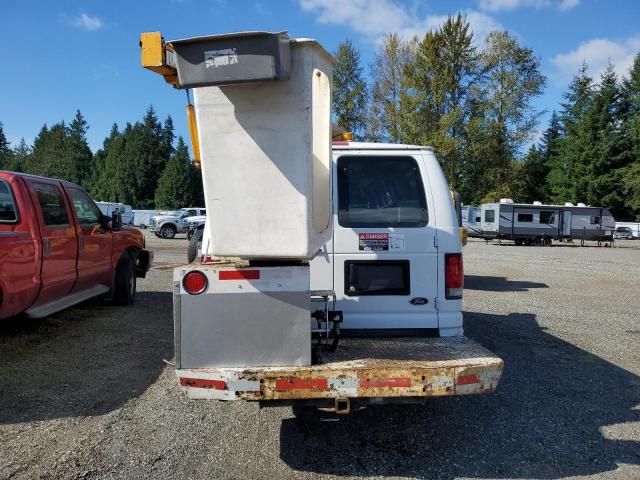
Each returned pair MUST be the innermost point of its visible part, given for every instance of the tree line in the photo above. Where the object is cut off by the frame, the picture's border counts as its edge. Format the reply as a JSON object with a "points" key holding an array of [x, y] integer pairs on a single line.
{"points": [[474, 102], [143, 165]]}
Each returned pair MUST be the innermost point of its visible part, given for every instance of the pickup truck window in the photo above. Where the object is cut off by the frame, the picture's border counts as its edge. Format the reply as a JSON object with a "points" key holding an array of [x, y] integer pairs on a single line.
{"points": [[86, 210], [52, 205], [8, 210], [379, 192]]}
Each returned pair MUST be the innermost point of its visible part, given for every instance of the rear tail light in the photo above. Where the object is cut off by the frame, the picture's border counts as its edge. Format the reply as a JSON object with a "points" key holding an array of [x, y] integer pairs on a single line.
{"points": [[195, 282], [453, 276]]}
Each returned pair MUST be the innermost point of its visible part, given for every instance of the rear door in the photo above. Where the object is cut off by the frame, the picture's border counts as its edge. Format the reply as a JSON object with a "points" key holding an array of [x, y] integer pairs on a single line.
{"points": [[59, 239], [94, 242], [385, 259]]}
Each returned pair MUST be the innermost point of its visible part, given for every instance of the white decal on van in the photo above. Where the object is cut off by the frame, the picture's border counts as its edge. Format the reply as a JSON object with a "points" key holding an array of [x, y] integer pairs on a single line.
{"points": [[220, 58], [396, 241]]}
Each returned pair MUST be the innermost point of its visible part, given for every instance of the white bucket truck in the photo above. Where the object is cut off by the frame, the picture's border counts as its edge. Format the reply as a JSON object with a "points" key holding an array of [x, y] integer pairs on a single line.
{"points": [[305, 239]]}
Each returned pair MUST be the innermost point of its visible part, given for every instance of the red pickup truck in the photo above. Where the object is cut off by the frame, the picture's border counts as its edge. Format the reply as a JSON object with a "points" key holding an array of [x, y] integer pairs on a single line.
{"points": [[57, 249]]}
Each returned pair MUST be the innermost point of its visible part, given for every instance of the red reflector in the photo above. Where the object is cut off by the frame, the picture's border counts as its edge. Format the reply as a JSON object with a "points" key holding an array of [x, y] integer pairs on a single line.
{"points": [[468, 379], [203, 383], [384, 382], [315, 384], [195, 282], [453, 275], [239, 275]]}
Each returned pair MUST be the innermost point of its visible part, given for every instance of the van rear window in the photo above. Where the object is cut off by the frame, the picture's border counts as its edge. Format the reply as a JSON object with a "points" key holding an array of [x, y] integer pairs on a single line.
{"points": [[380, 191], [8, 210]]}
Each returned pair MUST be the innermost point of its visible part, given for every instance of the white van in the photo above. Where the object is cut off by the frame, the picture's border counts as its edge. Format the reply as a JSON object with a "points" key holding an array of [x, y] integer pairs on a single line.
{"points": [[394, 261]]}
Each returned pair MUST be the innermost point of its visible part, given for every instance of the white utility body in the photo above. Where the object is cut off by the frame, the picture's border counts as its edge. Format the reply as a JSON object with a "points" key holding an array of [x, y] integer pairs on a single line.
{"points": [[306, 238]]}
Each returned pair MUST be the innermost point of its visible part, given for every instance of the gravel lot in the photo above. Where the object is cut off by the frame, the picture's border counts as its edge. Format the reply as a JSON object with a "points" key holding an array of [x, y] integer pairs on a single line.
{"points": [[86, 394]]}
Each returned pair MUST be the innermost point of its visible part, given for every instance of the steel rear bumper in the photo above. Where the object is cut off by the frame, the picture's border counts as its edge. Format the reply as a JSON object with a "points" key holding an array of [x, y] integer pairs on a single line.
{"points": [[362, 368]]}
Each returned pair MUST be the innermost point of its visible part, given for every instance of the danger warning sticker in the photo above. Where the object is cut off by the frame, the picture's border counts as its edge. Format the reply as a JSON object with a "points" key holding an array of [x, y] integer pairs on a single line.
{"points": [[373, 242]]}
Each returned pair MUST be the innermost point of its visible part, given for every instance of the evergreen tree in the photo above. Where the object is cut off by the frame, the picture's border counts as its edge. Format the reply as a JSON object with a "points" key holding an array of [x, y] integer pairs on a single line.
{"points": [[175, 184], [532, 176], [567, 170], [48, 157], [78, 153], [349, 90], [104, 171], [436, 103], [5, 150], [19, 157], [630, 132]]}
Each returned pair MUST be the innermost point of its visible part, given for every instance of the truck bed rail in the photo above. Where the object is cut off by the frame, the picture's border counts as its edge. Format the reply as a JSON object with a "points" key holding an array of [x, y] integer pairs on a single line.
{"points": [[360, 368]]}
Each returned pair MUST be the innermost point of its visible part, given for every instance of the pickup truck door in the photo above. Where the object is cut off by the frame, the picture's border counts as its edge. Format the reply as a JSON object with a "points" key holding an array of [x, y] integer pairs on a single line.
{"points": [[94, 242], [58, 237]]}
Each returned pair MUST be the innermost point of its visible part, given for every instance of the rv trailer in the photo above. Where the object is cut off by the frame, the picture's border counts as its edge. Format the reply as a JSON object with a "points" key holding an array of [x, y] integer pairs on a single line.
{"points": [[471, 219], [539, 224]]}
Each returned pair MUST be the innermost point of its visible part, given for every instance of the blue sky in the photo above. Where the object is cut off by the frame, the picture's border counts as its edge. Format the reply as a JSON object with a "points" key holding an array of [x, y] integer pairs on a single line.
{"points": [[66, 55]]}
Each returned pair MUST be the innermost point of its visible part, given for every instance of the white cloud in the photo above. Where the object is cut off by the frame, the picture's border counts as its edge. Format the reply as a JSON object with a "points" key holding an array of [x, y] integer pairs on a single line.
{"points": [[86, 22], [597, 53], [374, 18], [502, 5]]}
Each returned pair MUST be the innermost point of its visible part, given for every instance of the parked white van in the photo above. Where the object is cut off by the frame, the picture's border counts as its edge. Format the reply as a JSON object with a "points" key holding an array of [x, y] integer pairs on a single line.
{"points": [[394, 260]]}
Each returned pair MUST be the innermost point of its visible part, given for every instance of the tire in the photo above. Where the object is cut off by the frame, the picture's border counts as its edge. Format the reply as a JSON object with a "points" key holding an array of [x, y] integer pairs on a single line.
{"points": [[538, 241], [124, 291], [547, 242], [194, 245], [519, 242], [168, 231]]}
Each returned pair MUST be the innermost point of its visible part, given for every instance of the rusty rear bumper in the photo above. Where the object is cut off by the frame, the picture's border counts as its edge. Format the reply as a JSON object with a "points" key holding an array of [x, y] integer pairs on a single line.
{"points": [[362, 368]]}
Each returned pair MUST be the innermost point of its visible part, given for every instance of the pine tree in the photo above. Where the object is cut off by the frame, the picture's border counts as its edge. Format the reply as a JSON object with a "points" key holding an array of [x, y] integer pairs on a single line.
{"points": [[78, 153], [567, 175], [175, 184], [630, 132], [49, 155], [19, 157], [5, 150], [349, 90], [532, 177]]}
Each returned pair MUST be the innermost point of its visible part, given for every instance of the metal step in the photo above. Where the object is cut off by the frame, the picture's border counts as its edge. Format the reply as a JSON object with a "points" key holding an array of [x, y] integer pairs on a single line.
{"points": [[47, 309]]}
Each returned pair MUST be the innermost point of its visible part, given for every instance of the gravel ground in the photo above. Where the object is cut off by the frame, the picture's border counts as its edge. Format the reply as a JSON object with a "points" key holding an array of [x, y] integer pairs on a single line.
{"points": [[86, 394]]}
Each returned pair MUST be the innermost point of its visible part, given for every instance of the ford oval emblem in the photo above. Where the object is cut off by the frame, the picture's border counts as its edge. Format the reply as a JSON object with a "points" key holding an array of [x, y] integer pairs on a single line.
{"points": [[418, 301]]}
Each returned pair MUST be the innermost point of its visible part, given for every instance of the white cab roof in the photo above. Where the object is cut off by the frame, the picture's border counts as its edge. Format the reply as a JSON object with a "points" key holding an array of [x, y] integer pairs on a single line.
{"points": [[376, 146]]}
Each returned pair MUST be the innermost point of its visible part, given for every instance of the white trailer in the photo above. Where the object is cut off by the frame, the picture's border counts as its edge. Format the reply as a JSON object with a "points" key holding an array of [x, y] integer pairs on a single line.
{"points": [[107, 208], [471, 219], [306, 239], [539, 224], [142, 218]]}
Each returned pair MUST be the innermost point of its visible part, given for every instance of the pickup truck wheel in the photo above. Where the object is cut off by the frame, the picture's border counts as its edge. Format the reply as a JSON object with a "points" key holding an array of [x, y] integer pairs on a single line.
{"points": [[125, 288], [168, 231], [195, 244]]}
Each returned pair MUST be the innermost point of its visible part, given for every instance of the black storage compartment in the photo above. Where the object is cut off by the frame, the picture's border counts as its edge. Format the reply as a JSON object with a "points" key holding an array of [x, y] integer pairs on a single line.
{"points": [[376, 277], [232, 58]]}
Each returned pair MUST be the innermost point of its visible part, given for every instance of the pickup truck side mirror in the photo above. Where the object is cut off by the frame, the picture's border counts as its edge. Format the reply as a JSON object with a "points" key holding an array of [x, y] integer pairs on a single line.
{"points": [[116, 221]]}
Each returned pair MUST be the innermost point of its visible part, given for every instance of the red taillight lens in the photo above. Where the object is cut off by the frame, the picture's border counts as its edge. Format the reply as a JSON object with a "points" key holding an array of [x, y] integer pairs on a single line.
{"points": [[453, 276], [195, 282]]}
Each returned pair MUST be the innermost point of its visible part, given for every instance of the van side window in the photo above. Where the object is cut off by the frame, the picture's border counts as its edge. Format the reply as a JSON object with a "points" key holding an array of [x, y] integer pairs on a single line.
{"points": [[86, 211], [595, 220], [547, 217], [525, 217], [490, 216], [380, 191], [54, 211], [8, 210]]}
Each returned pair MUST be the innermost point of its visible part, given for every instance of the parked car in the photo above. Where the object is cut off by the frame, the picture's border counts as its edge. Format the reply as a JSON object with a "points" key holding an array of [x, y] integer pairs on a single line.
{"points": [[58, 249], [107, 208], [623, 233], [167, 226]]}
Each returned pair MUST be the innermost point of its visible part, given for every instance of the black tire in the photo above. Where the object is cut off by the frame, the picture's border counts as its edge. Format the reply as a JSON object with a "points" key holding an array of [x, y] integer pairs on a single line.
{"points": [[194, 245], [519, 242], [547, 241], [124, 291], [168, 231]]}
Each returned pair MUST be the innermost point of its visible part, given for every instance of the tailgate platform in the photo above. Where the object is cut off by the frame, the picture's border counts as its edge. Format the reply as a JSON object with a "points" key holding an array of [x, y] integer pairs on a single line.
{"points": [[360, 368]]}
